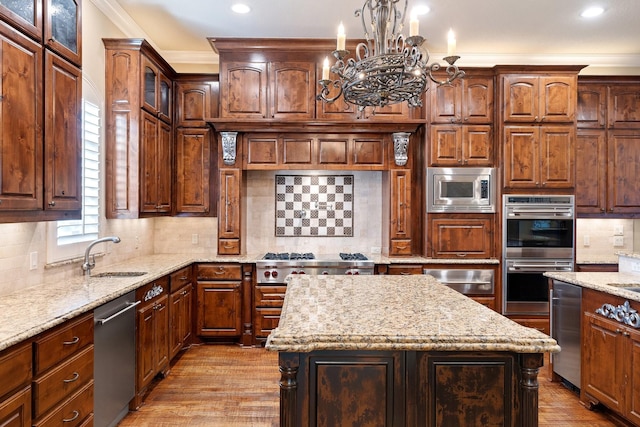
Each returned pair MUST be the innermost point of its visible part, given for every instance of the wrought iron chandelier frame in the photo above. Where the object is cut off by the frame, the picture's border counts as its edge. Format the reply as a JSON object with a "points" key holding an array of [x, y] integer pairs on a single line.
{"points": [[388, 68]]}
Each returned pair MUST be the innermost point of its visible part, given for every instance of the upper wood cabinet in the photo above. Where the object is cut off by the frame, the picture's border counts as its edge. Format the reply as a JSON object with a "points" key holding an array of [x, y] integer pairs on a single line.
{"points": [[623, 107], [63, 28], [274, 90], [139, 134], [469, 100], [539, 98], [455, 145], [40, 108], [25, 15], [315, 151], [194, 180], [539, 156], [197, 101], [592, 105]]}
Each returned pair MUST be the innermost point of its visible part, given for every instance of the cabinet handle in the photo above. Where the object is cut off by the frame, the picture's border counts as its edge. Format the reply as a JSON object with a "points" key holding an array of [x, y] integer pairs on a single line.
{"points": [[405, 273], [73, 378], [184, 278], [73, 341], [461, 255], [618, 331], [76, 414], [52, 203], [626, 334]]}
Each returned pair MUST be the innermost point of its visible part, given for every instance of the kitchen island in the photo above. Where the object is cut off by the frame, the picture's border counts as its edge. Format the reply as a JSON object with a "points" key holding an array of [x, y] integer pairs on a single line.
{"points": [[401, 351]]}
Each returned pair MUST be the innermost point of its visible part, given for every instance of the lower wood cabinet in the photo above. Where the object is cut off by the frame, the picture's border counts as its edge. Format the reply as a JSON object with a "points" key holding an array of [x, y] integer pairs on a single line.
{"points": [[152, 335], [268, 301], [458, 236], [15, 386], [63, 368], [611, 355], [219, 300], [180, 310], [540, 323]]}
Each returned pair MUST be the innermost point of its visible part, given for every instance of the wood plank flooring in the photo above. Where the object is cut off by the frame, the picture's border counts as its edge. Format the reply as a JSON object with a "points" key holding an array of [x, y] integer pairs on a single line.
{"points": [[230, 386]]}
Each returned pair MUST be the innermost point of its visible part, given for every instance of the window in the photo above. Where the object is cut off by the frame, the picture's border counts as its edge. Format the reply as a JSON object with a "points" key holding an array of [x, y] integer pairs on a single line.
{"points": [[68, 239]]}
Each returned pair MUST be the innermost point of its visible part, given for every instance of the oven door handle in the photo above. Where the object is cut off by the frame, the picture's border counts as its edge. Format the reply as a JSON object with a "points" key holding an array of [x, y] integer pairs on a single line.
{"points": [[537, 267], [542, 213]]}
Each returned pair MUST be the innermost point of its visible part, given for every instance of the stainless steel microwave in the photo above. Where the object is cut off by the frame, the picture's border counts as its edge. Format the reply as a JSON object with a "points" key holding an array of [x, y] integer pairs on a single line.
{"points": [[461, 190]]}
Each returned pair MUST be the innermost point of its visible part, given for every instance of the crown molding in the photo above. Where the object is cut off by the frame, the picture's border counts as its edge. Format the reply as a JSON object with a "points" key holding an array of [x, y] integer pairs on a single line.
{"points": [[593, 60], [122, 20], [191, 57]]}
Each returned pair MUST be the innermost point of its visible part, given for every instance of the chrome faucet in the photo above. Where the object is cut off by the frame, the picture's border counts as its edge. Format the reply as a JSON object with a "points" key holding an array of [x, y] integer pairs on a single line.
{"points": [[90, 263]]}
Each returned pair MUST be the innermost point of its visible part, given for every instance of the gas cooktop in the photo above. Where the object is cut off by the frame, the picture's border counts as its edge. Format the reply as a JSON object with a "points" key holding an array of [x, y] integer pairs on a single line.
{"points": [[274, 267], [308, 256]]}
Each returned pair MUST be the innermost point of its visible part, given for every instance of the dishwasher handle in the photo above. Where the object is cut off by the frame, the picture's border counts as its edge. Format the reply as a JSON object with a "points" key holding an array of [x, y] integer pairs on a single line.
{"points": [[129, 306]]}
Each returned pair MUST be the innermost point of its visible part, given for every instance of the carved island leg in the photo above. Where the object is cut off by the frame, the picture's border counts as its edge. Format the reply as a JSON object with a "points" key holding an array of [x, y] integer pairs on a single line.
{"points": [[289, 364], [529, 367]]}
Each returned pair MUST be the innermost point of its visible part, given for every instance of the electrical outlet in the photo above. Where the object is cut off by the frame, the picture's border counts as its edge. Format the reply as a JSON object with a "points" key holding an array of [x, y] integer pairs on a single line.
{"points": [[33, 260], [618, 230], [586, 240], [618, 241], [194, 238]]}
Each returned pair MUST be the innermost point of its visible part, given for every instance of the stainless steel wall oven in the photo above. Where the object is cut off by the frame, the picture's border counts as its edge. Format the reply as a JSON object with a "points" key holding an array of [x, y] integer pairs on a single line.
{"points": [[538, 236]]}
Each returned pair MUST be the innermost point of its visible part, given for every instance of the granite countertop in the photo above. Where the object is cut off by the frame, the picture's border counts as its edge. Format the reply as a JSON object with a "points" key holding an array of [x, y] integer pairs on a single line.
{"points": [[30, 311], [393, 313], [611, 283]]}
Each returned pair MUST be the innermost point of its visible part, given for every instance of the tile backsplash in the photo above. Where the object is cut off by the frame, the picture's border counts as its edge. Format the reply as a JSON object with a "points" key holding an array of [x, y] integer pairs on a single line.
{"points": [[314, 205], [366, 214]]}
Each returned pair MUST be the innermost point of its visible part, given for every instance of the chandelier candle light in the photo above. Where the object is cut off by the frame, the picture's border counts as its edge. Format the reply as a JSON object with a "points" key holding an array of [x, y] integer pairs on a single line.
{"points": [[388, 68]]}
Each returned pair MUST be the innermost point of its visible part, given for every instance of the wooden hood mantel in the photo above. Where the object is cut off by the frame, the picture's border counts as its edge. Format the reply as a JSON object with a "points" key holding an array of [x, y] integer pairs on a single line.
{"points": [[246, 126]]}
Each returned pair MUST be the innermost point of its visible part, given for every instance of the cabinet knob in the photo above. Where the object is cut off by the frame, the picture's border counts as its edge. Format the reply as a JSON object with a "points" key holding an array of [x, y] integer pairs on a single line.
{"points": [[52, 203]]}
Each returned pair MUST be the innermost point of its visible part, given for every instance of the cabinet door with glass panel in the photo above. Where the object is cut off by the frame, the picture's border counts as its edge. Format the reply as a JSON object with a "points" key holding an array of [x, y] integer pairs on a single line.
{"points": [[62, 29], [26, 15]]}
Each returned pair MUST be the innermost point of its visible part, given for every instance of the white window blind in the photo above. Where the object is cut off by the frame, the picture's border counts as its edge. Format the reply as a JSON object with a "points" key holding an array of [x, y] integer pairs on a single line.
{"points": [[86, 228]]}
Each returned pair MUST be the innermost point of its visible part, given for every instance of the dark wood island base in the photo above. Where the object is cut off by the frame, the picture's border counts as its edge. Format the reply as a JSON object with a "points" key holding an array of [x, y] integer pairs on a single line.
{"points": [[408, 388]]}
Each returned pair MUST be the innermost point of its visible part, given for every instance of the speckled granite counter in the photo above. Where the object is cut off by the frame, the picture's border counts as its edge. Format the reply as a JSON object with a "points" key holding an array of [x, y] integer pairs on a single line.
{"points": [[393, 313], [611, 283], [28, 312]]}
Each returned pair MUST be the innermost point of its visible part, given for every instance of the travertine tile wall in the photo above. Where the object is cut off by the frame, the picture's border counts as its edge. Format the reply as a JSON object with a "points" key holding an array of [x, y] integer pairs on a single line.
{"points": [[261, 206], [599, 233]]}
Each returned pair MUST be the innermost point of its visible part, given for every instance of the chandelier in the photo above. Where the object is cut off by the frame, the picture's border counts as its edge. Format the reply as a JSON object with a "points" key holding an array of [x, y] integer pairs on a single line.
{"points": [[388, 68]]}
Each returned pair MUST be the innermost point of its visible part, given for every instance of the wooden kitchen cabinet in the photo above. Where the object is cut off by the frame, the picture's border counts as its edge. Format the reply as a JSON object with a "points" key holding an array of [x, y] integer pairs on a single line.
{"points": [[25, 15], [361, 151], [539, 157], [152, 335], [63, 28], [455, 145], [268, 300], [531, 98], [229, 221], [197, 100], [15, 389], [616, 383], [608, 146], [400, 219], [219, 300], [466, 101], [180, 310], [155, 166], [268, 90], [139, 132], [194, 182], [458, 236], [41, 108], [63, 374]]}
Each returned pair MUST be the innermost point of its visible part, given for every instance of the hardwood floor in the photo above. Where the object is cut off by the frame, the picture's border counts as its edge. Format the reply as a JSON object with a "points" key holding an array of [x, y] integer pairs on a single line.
{"points": [[230, 386]]}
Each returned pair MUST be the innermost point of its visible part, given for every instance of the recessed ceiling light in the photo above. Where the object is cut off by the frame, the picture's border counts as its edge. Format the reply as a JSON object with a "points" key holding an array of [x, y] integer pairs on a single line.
{"points": [[592, 12], [421, 9], [240, 8]]}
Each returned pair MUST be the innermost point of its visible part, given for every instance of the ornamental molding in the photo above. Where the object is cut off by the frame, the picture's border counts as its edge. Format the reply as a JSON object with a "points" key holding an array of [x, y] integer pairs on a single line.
{"points": [[229, 147], [401, 147], [621, 313], [153, 292]]}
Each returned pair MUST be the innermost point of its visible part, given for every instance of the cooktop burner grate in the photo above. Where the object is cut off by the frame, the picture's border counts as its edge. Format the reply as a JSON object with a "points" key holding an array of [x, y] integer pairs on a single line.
{"points": [[353, 257], [289, 256]]}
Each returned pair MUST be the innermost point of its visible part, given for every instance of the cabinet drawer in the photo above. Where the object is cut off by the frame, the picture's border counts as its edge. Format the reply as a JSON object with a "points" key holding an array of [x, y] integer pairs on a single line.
{"points": [[404, 270], [540, 324], [400, 247], [270, 296], [180, 278], [219, 272], [57, 345], [489, 302], [73, 412], [229, 246], [62, 381], [152, 291], [15, 367], [266, 320]]}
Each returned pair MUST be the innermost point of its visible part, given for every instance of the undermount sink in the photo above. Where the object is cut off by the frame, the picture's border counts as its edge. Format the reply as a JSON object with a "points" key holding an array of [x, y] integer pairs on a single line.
{"points": [[120, 274]]}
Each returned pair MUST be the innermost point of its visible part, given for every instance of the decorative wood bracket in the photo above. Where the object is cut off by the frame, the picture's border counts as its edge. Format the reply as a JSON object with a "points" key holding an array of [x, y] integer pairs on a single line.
{"points": [[401, 147], [622, 313], [229, 147]]}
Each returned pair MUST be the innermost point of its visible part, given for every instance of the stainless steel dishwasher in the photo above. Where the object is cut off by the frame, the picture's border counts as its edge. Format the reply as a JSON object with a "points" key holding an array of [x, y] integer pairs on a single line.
{"points": [[114, 359], [566, 308], [467, 282]]}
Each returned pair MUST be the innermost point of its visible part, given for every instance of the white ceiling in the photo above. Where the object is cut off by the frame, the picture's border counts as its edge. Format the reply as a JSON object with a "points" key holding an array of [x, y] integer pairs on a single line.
{"points": [[488, 32]]}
